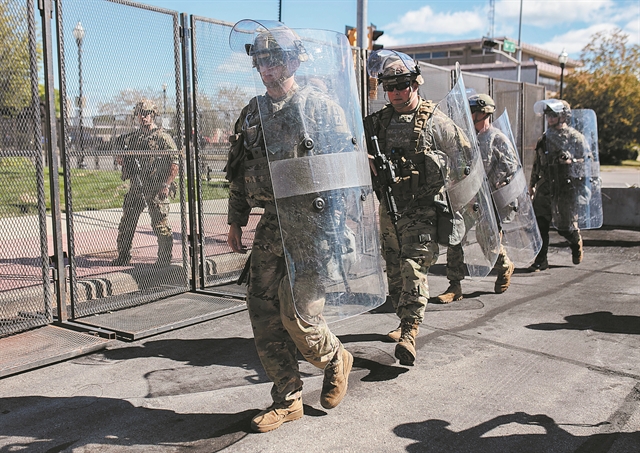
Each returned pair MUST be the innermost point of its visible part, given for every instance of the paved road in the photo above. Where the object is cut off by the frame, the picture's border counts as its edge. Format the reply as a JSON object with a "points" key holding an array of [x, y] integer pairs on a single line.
{"points": [[620, 176], [552, 365]]}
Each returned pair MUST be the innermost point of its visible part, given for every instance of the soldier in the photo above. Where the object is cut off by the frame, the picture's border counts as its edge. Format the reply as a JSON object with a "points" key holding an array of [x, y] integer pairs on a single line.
{"points": [[500, 164], [289, 123], [417, 139], [556, 179], [151, 177]]}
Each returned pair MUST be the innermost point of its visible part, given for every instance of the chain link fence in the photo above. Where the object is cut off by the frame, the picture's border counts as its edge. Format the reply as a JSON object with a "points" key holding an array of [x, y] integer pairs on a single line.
{"points": [[122, 153], [25, 284]]}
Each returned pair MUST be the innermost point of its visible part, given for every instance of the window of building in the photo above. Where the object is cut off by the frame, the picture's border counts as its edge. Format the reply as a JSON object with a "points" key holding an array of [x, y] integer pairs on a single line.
{"points": [[456, 53], [442, 54], [422, 56]]}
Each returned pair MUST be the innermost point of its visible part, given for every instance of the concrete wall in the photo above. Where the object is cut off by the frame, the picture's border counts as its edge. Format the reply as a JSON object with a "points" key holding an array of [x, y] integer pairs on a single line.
{"points": [[621, 207]]}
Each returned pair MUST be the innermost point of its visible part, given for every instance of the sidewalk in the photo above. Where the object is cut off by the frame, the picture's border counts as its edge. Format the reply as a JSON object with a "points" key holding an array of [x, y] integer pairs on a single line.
{"points": [[552, 365]]}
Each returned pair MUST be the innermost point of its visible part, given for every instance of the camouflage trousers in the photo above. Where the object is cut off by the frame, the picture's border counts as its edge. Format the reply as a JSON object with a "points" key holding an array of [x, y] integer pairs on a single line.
{"points": [[407, 266], [278, 330], [456, 267], [134, 203]]}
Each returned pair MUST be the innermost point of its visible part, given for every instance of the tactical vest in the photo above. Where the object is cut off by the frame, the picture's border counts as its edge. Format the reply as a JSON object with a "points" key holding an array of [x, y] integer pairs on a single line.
{"points": [[407, 146]]}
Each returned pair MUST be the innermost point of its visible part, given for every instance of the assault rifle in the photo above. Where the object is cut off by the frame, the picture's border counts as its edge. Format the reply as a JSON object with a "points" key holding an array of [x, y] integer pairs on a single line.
{"points": [[386, 177]]}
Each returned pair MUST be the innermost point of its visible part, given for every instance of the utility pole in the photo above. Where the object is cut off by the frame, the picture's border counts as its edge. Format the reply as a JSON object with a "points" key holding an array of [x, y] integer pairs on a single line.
{"points": [[363, 31]]}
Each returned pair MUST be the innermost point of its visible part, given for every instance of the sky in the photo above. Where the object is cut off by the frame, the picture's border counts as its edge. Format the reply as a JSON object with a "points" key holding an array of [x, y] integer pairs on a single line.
{"points": [[553, 25]]}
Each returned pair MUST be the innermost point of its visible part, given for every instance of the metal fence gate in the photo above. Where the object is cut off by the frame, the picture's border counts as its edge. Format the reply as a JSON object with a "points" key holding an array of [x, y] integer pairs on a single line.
{"points": [[107, 65], [26, 292]]}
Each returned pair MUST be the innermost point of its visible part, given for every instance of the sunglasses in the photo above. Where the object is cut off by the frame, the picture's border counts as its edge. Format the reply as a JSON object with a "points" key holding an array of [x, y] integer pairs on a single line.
{"points": [[269, 60], [146, 113], [399, 86]]}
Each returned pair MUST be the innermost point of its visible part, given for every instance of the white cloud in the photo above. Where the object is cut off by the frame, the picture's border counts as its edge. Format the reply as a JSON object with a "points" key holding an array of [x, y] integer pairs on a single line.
{"points": [[426, 21], [551, 13], [573, 41]]}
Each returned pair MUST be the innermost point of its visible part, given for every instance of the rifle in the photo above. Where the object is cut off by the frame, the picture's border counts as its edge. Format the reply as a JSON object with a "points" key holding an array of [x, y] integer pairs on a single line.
{"points": [[386, 177]]}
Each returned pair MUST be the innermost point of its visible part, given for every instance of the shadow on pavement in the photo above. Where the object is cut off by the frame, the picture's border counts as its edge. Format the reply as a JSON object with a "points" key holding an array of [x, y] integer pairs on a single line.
{"points": [[435, 436], [600, 321]]}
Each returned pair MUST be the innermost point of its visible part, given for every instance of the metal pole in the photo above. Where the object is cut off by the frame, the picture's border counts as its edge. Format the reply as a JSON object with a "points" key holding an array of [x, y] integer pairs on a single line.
{"points": [[164, 102], [81, 163], [361, 39], [280, 11], [561, 78], [520, 44]]}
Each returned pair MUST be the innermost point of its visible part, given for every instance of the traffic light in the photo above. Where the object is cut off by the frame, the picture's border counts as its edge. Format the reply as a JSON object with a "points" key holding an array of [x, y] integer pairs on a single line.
{"points": [[488, 43], [374, 34], [352, 35]]}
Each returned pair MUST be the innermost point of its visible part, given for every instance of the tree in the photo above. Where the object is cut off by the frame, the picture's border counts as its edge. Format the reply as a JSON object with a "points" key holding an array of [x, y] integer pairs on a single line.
{"points": [[15, 68], [609, 84]]}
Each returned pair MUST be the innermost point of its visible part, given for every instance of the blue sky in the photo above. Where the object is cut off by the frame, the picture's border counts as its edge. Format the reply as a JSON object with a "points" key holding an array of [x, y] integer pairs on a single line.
{"points": [[550, 24]]}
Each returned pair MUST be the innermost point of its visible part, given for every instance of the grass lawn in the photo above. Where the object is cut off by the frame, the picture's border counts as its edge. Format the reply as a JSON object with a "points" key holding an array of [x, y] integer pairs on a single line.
{"points": [[92, 189]]}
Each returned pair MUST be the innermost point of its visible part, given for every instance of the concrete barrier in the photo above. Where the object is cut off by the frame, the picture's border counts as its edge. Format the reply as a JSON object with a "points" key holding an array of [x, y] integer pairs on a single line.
{"points": [[621, 207]]}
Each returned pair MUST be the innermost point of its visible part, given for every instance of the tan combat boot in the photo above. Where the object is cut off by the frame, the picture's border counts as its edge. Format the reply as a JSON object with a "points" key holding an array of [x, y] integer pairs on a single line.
{"points": [[504, 279], [406, 348], [277, 414], [453, 293], [394, 335], [336, 379], [576, 252]]}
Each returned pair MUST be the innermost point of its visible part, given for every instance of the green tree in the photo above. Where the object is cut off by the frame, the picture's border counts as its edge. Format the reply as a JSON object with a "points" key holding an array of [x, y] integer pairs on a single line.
{"points": [[609, 84], [15, 67]]}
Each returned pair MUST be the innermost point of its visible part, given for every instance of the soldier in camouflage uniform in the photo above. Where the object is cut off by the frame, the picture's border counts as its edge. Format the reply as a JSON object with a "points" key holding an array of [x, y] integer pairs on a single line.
{"points": [[560, 157], [279, 331], [418, 140], [500, 164], [152, 184]]}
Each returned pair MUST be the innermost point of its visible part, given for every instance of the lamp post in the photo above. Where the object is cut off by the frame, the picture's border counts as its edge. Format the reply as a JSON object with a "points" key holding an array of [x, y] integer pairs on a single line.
{"points": [[562, 59], [78, 33], [164, 102]]}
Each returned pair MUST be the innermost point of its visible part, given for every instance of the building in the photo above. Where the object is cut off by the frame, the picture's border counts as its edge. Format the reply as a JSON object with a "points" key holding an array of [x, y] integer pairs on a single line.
{"points": [[538, 66]]}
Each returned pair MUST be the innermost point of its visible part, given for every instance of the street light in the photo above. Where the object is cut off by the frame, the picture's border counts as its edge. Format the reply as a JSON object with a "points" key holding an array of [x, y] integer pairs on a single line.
{"points": [[562, 59], [164, 102], [78, 33]]}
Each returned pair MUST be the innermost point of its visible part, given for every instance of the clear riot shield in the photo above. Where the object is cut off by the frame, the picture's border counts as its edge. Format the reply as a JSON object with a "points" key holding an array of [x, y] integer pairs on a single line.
{"points": [[520, 234], [467, 187], [319, 169], [589, 187]]}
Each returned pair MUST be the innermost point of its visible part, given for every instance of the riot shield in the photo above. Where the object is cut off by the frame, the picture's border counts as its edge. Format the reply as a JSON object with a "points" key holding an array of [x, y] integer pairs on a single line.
{"points": [[467, 188], [520, 234], [589, 188], [319, 169]]}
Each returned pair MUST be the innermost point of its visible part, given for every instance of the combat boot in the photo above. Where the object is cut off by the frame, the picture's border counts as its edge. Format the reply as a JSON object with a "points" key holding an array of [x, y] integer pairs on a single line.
{"points": [[336, 379], [504, 279], [277, 414], [165, 248], [394, 335], [537, 267], [576, 252], [453, 293], [406, 348]]}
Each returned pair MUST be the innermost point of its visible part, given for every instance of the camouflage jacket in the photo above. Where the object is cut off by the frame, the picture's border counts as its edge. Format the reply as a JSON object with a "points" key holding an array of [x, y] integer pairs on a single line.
{"points": [[147, 168], [498, 155], [422, 144], [306, 122], [554, 147]]}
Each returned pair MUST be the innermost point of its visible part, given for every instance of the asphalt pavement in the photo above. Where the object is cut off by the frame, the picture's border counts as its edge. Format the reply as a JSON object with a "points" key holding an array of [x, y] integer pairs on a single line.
{"points": [[552, 365]]}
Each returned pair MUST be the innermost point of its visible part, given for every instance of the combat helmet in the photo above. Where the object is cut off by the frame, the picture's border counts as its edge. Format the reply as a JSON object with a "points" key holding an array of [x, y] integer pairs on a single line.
{"points": [[276, 47], [393, 68], [482, 103], [553, 107], [145, 105]]}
